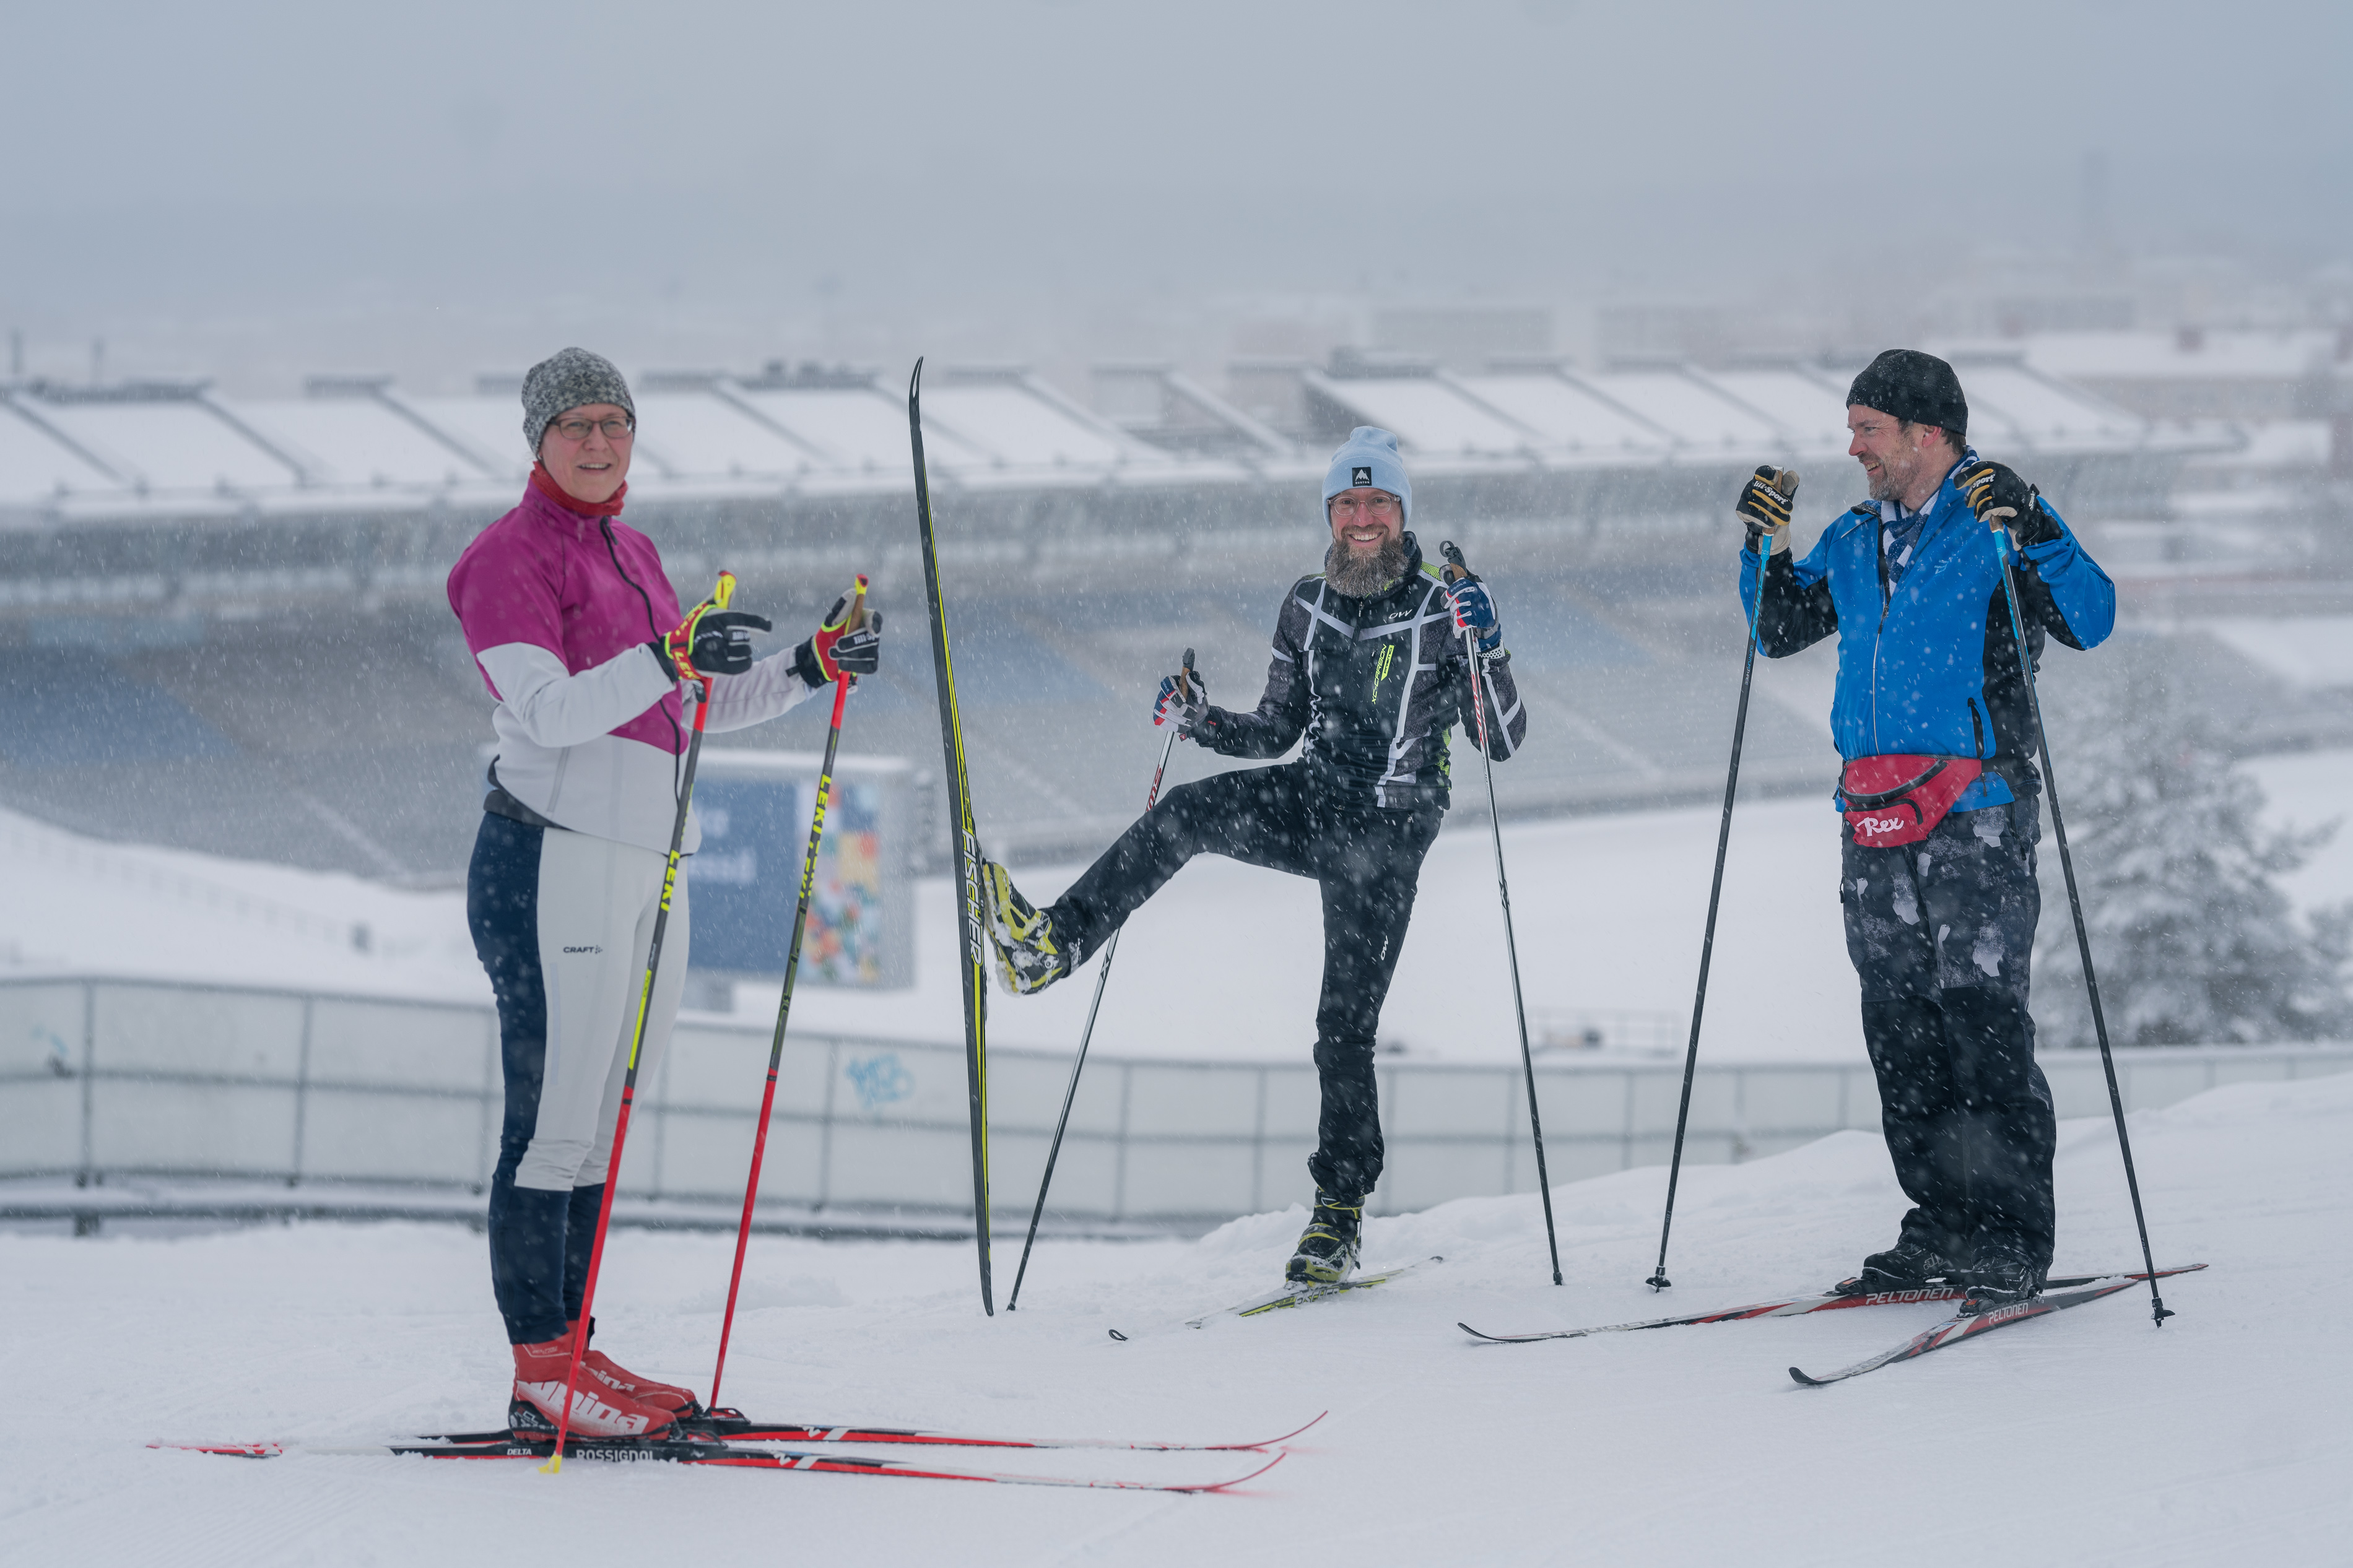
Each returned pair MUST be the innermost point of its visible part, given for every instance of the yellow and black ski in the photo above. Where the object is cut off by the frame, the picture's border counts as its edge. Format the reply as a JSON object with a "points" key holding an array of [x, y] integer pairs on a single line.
{"points": [[974, 948]]}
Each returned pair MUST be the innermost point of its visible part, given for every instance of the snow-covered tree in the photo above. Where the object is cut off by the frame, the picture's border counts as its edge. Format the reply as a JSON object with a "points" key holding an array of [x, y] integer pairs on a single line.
{"points": [[2193, 942]]}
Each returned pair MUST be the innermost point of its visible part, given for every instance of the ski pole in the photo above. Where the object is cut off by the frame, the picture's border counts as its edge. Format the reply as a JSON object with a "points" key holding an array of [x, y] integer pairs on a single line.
{"points": [[1102, 978], [719, 596], [841, 687], [1786, 481], [1998, 518], [1456, 570]]}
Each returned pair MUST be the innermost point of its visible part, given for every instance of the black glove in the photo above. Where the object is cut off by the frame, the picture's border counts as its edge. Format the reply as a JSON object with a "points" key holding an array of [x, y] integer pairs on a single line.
{"points": [[710, 641], [1186, 708], [1995, 493], [1764, 506]]}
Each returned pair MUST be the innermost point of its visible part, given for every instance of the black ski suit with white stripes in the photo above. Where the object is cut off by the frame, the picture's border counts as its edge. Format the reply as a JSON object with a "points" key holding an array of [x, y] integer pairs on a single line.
{"points": [[1375, 685]]}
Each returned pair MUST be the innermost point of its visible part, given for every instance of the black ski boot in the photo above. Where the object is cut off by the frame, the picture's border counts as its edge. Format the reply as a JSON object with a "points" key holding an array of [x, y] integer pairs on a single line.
{"points": [[1907, 1266], [1327, 1247], [1998, 1283]]}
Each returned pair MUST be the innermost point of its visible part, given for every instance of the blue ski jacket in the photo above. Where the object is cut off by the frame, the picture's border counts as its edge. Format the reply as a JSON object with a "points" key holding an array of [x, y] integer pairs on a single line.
{"points": [[1927, 663]]}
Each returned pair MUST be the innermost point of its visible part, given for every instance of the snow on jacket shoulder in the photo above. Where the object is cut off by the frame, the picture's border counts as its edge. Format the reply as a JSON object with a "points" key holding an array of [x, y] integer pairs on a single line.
{"points": [[1927, 664], [557, 609]]}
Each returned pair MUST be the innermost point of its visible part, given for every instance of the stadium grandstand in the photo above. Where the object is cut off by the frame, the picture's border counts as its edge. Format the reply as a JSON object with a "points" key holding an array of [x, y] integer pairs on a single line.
{"points": [[162, 540]]}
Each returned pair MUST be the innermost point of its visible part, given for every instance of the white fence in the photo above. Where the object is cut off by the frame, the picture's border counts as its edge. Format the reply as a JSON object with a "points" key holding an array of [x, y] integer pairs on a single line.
{"points": [[106, 1078]]}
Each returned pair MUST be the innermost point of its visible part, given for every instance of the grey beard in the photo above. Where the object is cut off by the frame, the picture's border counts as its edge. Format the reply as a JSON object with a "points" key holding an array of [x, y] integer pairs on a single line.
{"points": [[1362, 576]]}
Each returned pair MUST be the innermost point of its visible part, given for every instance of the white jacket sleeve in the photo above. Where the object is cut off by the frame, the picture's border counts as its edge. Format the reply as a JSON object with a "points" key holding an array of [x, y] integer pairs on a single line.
{"points": [[770, 687], [554, 708]]}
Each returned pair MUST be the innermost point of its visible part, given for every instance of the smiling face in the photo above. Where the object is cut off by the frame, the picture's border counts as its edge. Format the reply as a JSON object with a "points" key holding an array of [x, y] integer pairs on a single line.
{"points": [[1902, 462], [1366, 520], [593, 465]]}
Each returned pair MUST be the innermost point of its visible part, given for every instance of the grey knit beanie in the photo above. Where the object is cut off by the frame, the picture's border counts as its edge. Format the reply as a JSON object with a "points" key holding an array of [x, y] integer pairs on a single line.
{"points": [[567, 380]]}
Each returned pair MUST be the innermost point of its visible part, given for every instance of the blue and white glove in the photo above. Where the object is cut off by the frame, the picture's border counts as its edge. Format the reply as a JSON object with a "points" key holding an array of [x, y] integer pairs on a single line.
{"points": [[1186, 711], [1474, 612]]}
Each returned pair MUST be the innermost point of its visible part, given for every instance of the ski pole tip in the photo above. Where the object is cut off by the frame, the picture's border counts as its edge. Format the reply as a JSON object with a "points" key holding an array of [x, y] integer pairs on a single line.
{"points": [[554, 1466]]}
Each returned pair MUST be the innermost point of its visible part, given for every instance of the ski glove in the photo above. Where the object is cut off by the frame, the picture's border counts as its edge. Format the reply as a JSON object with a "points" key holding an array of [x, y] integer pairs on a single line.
{"points": [[1184, 710], [1474, 612], [1765, 508], [839, 649], [712, 639], [1995, 493]]}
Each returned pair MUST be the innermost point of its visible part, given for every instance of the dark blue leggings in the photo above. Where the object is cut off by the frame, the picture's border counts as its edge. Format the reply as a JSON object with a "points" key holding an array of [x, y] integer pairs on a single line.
{"points": [[539, 1240]]}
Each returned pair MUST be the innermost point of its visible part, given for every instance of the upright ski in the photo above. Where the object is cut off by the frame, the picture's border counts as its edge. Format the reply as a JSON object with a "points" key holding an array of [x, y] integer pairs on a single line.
{"points": [[1953, 1330], [1299, 1295], [972, 969], [1797, 1306]]}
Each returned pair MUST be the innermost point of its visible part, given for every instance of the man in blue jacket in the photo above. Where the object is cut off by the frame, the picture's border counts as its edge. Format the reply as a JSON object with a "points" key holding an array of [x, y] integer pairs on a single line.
{"points": [[1935, 729]]}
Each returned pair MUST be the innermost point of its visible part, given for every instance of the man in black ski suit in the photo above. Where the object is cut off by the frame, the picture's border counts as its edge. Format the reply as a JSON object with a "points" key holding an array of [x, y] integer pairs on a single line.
{"points": [[1371, 664], [1935, 729]]}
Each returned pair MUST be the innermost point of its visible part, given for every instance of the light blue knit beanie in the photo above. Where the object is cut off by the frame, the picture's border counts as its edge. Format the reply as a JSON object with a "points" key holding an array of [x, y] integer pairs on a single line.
{"points": [[1369, 457]]}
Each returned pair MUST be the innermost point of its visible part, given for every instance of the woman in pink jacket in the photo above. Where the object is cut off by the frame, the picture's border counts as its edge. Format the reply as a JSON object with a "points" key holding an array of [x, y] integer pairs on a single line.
{"points": [[580, 637]]}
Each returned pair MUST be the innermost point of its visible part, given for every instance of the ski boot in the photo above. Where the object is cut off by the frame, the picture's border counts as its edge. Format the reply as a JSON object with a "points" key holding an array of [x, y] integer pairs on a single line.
{"points": [[1327, 1247], [1998, 1283], [1907, 1266], [598, 1409], [1028, 957], [610, 1372]]}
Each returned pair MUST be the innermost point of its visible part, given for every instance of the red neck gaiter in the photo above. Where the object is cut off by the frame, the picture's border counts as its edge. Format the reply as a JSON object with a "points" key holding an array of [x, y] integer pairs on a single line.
{"points": [[544, 483]]}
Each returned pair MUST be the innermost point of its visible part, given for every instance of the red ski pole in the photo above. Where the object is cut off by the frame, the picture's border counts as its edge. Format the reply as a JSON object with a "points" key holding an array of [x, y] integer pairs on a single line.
{"points": [[719, 595], [785, 1004]]}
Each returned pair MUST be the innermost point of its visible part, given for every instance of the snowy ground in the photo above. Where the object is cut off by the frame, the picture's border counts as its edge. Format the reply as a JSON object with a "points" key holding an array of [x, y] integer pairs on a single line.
{"points": [[1609, 910], [2084, 1439]]}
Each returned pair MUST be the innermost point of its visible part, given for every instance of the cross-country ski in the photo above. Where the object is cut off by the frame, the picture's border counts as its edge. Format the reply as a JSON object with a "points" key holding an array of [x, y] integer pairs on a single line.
{"points": [[1301, 1295], [687, 1451], [1953, 1330], [728, 1425], [1799, 1306]]}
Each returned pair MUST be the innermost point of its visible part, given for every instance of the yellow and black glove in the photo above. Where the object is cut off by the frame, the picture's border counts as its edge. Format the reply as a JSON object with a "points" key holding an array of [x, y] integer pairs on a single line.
{"points": [[1997, 494], [1764, 506]]}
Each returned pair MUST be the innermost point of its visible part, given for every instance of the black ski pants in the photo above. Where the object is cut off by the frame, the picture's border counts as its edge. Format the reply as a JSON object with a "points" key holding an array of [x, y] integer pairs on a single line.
{"points": [[1367, 861], [1942, 934]]}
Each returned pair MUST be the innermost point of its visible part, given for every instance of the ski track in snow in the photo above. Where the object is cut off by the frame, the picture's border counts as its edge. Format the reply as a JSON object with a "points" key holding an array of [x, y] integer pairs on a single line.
{"points": [[2086, 1438]]}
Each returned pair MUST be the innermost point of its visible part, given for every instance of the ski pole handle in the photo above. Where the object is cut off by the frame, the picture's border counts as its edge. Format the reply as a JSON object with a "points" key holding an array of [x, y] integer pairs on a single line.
{"points": [[1185, 676], [1456, 568]]}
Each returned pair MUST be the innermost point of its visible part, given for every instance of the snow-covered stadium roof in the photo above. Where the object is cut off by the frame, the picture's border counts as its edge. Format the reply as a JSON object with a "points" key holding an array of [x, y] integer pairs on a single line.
{"points": [[162, 450], [168, 451]]}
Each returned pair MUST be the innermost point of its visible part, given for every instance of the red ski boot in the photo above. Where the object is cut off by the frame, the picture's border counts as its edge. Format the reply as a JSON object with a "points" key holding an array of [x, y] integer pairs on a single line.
{"points": [[667, 1395], [598, 1409]]}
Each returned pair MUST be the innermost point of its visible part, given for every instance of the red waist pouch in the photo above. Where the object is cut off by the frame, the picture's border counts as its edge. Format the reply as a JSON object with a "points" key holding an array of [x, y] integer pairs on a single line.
{"points": [[1896, 800]]}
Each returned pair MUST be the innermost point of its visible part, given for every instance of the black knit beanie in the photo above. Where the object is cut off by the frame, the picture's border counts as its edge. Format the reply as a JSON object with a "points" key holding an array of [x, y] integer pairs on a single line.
{"points": [[1917, 388]]}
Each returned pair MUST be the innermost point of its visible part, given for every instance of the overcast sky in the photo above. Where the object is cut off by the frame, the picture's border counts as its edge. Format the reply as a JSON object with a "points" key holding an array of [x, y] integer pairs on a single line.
{"points": [[282, 160]]}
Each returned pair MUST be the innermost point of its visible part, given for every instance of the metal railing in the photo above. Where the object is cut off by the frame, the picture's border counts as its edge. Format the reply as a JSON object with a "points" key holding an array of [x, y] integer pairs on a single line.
{"points": [[107, 1079]]}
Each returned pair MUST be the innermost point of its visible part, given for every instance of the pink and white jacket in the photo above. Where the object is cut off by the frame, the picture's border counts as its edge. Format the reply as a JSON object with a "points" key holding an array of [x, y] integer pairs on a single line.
{"points": [[557, 608]]}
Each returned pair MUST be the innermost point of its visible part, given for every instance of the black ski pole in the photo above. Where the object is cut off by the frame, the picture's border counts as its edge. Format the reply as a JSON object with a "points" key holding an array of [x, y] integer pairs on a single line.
{"points": [[1786, 481], [1456, 568], [1102, 978], [843, 683], [719, 596], [2159, 1312]]}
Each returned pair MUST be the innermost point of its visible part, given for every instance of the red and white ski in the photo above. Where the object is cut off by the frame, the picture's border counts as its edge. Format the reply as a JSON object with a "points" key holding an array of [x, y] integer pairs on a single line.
{"points": [[704, 1451]]}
